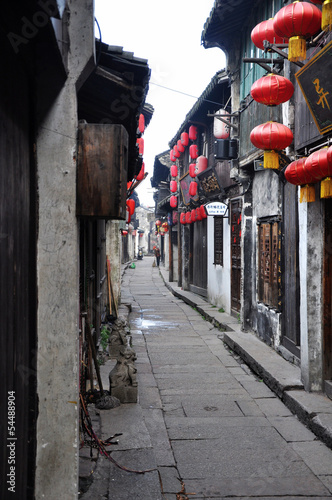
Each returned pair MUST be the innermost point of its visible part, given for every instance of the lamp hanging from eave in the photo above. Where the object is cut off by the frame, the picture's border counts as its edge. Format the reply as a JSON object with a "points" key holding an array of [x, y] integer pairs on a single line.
{"points": [[297, 174], [271, 137], [272, 90], [203, 212], [183, 218], [173, 186], [265, 31], [173, 201], [140, 143], [319, 165], [131, 206], [193, 188], [180, 146], [174, 170], [176, 152], [193, 151], [193, 215], [192, 133], [171, 155], [192, 170], [326, 12], [297, 21], [141, 173], [198, 214], [220, 129], [188, 217], [202, 164], [141, 123], [184, 138]]}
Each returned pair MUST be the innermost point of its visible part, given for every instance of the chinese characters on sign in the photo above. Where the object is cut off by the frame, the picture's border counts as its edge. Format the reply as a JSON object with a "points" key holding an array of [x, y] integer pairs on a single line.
{"points": [[209, 182], [216, 208], [316, 86]]}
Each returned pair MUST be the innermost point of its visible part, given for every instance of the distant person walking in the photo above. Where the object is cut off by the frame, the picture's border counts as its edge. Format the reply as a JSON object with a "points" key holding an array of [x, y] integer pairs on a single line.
{"points": [[157, 255]]}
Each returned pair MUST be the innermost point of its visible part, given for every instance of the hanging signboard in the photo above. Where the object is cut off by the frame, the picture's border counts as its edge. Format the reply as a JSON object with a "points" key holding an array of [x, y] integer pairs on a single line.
{"points": [[217, 208], [209, 182], [315, 82]]}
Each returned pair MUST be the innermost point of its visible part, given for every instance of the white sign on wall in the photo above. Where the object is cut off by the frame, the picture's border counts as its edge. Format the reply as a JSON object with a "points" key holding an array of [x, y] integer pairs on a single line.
{"points": [[216, 208]]}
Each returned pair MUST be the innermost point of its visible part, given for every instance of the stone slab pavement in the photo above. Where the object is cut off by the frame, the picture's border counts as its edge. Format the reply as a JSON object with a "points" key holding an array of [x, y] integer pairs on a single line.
{"points": [[220, 415]]}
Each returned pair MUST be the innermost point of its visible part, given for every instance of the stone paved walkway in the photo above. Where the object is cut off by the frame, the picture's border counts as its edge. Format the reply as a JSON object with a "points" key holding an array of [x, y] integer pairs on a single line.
{"points": [[204, 420]]}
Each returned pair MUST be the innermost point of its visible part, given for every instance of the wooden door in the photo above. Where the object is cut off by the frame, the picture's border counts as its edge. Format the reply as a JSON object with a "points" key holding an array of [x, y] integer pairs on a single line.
{"points": [[198, 271], [290, 275], [236, 263]]}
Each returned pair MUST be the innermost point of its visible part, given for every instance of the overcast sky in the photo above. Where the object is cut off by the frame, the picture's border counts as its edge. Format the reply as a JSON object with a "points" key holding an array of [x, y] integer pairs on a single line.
{"points": [[168, 35]]}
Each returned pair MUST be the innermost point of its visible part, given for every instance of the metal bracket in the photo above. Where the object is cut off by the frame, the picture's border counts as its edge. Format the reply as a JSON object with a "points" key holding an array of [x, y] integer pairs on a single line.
{"points": [[213, 115], [271, 47], [262, 62]]}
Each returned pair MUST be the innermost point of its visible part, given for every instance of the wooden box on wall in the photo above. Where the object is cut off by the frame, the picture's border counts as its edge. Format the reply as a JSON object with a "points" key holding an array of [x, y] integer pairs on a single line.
{"points": [[102, 163]]}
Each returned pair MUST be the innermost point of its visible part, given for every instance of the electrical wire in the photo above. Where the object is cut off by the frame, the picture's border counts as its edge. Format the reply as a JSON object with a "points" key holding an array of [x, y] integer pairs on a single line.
{"points": [[184, 93]]}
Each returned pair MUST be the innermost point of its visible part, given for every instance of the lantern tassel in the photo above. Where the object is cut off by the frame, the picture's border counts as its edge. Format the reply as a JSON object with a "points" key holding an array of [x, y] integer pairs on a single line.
{"points": [[307, 193], [327, 15], [271, 160], [326, 188], [297, 49]]}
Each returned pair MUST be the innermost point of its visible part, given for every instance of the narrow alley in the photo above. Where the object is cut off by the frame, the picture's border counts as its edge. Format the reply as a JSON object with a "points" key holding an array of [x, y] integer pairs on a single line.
{"points": [[205, 426]]}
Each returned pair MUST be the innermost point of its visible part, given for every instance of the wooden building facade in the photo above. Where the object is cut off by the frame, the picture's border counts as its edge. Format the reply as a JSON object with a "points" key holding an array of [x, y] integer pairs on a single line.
{"points": [[285, 291]]}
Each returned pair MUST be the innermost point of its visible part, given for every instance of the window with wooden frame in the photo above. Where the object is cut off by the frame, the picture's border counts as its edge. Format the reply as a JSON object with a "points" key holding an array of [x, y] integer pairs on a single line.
{"points": [[218, 240], [269, 265]]}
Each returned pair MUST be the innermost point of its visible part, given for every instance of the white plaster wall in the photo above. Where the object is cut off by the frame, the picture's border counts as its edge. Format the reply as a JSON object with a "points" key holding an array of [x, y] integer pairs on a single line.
{"points": [[57, 275], [219, 277]]}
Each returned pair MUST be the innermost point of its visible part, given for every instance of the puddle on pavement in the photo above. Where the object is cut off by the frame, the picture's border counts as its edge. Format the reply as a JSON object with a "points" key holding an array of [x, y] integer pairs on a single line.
{"points": [[153, 322]]}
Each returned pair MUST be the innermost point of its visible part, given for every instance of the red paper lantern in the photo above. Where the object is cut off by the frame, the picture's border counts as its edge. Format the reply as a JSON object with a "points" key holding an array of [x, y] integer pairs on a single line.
{"points": [[193, 188], [326, 12], [202, 164], [203, 212], [193, 151], [192, 133], [272, 90], [174, 170], [198, 214], [173, 186], [173, 201], [297, 174], [140, 143], [265, 31], [171, 155], [220, 129], [131, 206], [185, 139], [141, 173], [297, 21], [193, 215], [176, 152], [124, 233], [158, 223], [271, 137], [188, 217], [192, 170], [141, 123], [183, 218], [180, 146], [319, 165], [128, 215]]}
